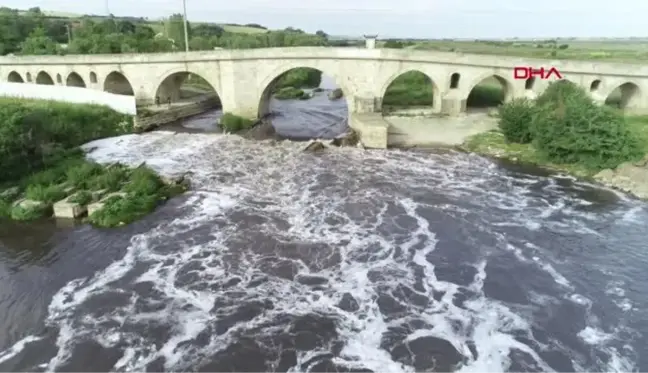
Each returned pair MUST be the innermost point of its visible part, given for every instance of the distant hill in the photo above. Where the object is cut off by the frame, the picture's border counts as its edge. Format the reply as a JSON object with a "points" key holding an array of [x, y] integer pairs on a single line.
{"points": [[156, 24]]}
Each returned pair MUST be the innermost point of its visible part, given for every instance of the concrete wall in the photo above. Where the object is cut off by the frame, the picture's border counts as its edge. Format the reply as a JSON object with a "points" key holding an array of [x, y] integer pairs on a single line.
{"points": [[175, 113], [122, 104]]}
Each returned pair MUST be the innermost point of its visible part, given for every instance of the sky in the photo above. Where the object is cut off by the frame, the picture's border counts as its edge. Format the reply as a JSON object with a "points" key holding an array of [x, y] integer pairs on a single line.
{"points": [[393, 18]]}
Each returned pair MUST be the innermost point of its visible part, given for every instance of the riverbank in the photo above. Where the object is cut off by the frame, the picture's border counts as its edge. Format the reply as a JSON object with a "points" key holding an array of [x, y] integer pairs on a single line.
{"points": [[630, 177], [45, 172]]}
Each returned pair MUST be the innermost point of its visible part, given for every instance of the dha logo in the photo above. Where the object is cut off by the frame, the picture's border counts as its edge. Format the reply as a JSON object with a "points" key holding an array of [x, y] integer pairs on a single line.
{"points": [[528, 72]]}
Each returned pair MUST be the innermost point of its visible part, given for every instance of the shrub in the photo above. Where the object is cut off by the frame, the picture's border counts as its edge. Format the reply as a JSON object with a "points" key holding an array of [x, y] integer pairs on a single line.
{"points": [[29, 213], [234, 123], [47, 194], [289, 93], [80, 175], [111, 179], [5, 209], [36, 133], [516, 119], [143, 181], [568, 127], [82, 197], [119, 211]]}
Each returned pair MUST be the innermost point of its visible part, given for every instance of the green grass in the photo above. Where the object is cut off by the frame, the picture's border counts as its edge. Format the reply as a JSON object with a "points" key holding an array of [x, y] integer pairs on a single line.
{"points": [[236, 29], [494, 144], [639, 124], [608, 50]]}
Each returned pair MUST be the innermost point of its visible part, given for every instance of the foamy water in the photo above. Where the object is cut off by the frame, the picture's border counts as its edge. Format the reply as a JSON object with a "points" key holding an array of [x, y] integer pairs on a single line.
{"points": [[389, 261]]}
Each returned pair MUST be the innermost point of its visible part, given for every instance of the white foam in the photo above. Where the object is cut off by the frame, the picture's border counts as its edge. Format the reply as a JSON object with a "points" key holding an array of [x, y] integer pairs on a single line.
{"points": [[231, 175]]}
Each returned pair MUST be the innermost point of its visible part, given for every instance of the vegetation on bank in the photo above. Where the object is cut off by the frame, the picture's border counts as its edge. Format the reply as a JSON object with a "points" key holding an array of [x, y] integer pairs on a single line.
{"points": [[42, 164], [622, 50], [233, 123], [565, 129], [33, 32], [291, 93], [301, 77]]}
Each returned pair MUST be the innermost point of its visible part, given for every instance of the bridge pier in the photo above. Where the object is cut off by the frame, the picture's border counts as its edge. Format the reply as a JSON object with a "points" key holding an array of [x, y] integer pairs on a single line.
{"points": [[170, 88], [453, 103]]}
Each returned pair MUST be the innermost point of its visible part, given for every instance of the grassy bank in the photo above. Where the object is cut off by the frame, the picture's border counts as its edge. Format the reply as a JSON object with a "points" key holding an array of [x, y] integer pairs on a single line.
{"points": [[42, 164], [619, 50], [564, 130]]}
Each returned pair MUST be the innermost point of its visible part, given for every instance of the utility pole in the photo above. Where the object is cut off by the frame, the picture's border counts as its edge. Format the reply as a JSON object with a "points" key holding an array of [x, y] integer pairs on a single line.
{"points": [[186, 31], [69, 32]]}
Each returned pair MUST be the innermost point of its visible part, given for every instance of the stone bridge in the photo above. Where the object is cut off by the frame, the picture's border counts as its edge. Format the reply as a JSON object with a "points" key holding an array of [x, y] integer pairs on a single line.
{"points": [[243, 78]]}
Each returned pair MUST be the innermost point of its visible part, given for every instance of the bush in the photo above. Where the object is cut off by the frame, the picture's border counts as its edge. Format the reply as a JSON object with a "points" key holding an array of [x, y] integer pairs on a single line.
{"points": [[119, 211], [289, 93], [82, 198], [79, 176], [567, 127], [111, 179], [48, 194], [234, 123], [36, 133], [516, 119], [143, 181]]}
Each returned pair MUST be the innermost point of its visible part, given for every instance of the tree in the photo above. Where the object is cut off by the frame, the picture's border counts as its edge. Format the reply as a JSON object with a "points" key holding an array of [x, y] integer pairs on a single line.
{"points": [[322, 34], [38, 43], [174, 29]]}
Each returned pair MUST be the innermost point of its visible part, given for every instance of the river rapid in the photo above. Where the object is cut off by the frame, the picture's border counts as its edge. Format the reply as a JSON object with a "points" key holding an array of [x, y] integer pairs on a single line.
{"points": [[343, 260]]}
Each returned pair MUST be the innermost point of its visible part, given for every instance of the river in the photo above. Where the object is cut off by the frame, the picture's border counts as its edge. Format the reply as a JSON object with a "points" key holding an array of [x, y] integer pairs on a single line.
{"points": [[385, 260]]}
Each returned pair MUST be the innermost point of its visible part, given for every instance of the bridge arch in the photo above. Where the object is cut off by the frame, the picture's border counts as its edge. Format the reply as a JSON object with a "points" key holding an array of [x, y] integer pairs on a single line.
{"points": [[268, 84], [93, 77], [118, 84], [595, 85], [410, 88], [624, 96], [44, 78], [184, 84], [488, 90], [300, 84], [59, 79], [14, 77], [28, 76], [74, 80]]}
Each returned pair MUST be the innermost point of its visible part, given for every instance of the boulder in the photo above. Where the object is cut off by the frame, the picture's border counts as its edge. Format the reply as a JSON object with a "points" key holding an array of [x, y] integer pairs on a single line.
{"points": [[348, 139], [335, 94], [317, 145], [69, 210]]}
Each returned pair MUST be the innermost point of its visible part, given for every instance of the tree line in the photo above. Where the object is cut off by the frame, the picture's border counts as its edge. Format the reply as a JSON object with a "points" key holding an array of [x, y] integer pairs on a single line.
{"points": [[32, 32]]}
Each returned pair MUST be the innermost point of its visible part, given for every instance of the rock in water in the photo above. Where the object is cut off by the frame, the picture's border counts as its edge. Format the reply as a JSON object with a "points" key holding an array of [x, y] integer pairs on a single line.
{"points": [[261, 131], [316, 145], [348, 139], [335, 94]]}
